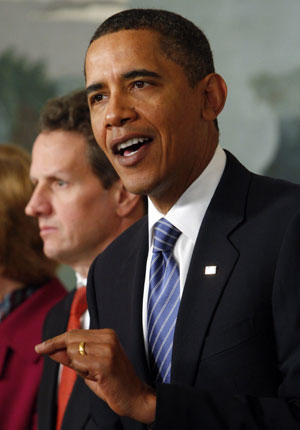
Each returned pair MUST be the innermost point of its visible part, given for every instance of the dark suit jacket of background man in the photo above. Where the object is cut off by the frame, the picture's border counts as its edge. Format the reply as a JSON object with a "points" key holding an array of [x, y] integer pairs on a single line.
{"points": [[77, 415], [236, 352]]}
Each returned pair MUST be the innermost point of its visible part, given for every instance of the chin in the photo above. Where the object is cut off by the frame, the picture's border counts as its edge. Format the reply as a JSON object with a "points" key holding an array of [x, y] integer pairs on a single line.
{"points": [[140, 186], [51, 253]]}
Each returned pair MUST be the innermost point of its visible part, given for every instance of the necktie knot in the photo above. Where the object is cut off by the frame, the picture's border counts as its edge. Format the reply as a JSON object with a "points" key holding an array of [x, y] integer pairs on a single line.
{"points": [[165, 236]]}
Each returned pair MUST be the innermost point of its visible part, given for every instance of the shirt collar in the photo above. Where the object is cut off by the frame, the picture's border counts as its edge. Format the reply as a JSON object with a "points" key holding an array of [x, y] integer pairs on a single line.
{"points": [[80, 280], [189, 210]]}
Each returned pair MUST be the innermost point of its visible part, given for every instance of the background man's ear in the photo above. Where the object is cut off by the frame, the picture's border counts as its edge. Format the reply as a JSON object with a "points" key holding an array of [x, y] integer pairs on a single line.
{"points": [[127, 202], [215, 93]]}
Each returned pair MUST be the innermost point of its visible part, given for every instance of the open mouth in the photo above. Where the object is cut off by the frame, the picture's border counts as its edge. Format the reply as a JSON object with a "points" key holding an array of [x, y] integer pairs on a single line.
{"points": [[131, 146]]}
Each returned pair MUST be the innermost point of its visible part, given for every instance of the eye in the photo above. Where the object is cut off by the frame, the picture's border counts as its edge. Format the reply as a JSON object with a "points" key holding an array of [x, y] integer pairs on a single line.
{"points": [[61, 183], [97, 98], [140, 84]]}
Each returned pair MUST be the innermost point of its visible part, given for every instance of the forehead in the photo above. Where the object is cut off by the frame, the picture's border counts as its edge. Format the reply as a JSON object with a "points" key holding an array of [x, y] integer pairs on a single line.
{"points": [[123, 50], [58, 150]]}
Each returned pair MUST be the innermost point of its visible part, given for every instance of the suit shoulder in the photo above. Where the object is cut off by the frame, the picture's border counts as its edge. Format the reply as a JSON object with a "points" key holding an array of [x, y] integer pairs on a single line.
{"points": [[278, 183], [278, 193], [263, 191]]}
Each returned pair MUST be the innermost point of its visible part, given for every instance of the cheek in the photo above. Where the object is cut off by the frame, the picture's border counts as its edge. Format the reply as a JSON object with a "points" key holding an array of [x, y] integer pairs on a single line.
{"points": [[71, 222], [99, 131], [164, 117], [73, 214]]}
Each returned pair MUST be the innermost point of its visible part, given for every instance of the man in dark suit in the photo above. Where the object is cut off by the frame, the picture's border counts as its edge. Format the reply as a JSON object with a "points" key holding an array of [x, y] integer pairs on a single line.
{"points": [[81, 206], [233, 245]]}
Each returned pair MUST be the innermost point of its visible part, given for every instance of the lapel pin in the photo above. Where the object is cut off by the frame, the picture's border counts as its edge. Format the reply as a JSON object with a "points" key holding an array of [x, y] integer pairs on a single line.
{"points": [[210, 270]]}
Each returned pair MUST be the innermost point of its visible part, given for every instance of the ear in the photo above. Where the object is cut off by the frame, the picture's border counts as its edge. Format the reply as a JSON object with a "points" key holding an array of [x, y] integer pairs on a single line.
{"points": [[215, 93], [126, 201]]}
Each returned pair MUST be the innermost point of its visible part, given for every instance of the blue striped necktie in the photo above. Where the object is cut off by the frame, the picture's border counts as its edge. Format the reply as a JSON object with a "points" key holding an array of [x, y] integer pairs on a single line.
{"points": [[163, 299]]}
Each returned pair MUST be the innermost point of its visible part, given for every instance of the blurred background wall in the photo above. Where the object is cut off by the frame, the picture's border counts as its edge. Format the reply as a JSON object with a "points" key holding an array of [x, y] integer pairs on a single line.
{"points": [[255, 45]]}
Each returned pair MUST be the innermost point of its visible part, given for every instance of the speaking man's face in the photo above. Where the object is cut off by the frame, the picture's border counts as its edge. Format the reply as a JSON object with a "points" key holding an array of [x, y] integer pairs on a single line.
{"points": [[145, 115]]}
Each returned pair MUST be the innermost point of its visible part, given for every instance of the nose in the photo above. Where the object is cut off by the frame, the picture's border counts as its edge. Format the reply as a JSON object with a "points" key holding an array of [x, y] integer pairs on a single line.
{"points": [[38, 205], [119, 111]]}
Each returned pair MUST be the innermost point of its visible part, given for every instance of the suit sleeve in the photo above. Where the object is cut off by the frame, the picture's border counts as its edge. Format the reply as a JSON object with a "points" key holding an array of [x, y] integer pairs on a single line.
{"points": [[186, 407]]}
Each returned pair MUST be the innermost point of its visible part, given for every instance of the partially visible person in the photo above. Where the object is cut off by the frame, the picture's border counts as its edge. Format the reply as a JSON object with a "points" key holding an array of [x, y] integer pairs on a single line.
{"points": [[82, 206], [28, 289]]}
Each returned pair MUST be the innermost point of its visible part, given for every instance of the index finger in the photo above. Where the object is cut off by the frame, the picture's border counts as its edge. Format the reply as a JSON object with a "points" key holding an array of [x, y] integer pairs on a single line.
{"points": [[62, 341], [52, 345]]}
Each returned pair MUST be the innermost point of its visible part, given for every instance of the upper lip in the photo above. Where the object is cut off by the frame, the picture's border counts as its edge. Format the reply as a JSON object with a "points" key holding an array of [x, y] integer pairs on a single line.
{"points": [[114, 145]]}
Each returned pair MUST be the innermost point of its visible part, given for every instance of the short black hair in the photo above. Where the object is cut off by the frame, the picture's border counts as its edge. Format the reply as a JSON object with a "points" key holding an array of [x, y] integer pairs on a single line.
{"points": [[180, 39], [71, 113]]}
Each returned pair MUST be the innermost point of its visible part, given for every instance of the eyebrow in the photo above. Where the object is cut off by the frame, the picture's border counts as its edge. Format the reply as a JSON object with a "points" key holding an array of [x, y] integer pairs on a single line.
{"points": [[59, 174], [128, 75], [140, 72], [93, 87]]}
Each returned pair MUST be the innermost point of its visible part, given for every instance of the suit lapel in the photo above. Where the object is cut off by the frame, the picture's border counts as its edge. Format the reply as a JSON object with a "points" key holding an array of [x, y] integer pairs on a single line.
{"points": [[56, 323], [135, 288], [120, 292], [203, 292], [78, 408]]}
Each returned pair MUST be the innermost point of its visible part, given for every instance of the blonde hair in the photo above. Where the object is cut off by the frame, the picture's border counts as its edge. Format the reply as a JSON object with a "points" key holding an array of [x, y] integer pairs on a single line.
{"points": [[21, 248]]}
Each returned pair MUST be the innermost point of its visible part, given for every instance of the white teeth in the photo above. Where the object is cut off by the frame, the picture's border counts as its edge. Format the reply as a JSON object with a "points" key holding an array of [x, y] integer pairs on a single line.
{"points": [[130, 154], [130, 142]]}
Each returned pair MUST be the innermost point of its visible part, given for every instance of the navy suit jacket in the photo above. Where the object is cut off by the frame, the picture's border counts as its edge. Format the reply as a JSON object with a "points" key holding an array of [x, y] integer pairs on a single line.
{"points": [[236, 351], [77, 415]]}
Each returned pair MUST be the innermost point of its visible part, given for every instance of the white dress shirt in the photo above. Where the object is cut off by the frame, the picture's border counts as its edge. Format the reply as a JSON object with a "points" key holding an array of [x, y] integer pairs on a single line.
{"points": [[85, 318], [187, 215]]}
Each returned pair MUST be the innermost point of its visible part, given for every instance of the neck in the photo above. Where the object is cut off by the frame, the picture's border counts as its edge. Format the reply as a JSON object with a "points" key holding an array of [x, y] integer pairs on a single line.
{"points": [[81, 264], [165, 198]]}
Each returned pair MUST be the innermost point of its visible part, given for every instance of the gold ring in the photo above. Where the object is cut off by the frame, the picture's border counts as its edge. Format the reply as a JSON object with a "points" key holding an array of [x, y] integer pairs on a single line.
{"points": [[81, 348]]}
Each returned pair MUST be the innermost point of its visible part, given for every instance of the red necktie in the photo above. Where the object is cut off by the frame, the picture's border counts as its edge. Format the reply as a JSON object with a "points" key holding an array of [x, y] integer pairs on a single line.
{"points": [[68, 376]]}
